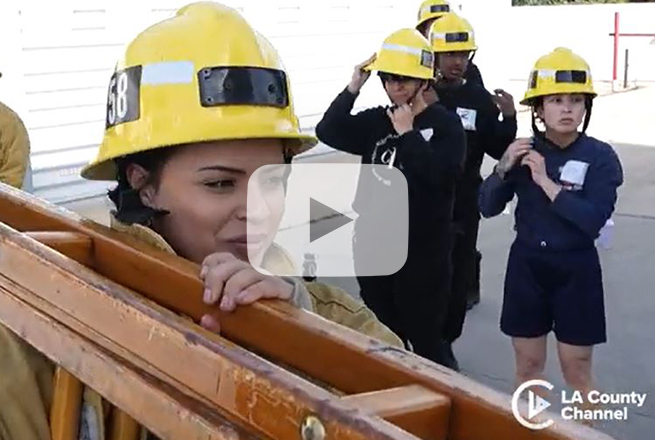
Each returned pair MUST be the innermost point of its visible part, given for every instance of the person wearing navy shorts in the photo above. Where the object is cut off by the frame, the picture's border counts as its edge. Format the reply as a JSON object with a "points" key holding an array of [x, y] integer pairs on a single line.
{"points": [[566, 184]]}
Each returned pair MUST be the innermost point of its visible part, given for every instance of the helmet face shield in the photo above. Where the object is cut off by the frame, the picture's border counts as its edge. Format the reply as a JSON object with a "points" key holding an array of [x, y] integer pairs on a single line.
{"points": [[439, 9], [571, 76], [242, 86], [457, 37]]}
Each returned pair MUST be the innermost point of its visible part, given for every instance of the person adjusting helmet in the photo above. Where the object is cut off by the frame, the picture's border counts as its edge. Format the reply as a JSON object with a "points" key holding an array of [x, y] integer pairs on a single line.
{"points": [[426, 143], [566, 184], [560, 72], [453, 41], [196, 105]]}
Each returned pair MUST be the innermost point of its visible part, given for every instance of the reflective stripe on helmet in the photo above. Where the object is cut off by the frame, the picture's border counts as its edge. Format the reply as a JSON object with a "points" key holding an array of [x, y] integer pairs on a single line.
{"points": [[426, 58], [167, 72], [399, 48]]}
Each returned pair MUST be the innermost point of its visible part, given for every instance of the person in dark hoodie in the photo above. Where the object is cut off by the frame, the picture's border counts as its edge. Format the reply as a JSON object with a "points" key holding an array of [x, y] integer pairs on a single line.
{"points": [[453, 42], [566, 183], [431, 11], [427, 144]]}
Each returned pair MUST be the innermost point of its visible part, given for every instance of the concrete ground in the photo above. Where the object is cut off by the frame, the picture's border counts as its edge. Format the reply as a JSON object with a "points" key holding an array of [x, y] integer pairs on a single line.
{"points": [[627, 362]]}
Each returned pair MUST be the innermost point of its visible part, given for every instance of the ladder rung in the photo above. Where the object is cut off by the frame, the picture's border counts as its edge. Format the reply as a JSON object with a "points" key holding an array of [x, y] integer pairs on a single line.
{"points": [[414, 408], [123, 427], [66, 406], [74, 245]]}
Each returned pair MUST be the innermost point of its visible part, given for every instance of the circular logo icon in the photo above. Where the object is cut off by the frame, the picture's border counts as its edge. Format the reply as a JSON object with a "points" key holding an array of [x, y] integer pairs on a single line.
{"points": [[536, 405]]}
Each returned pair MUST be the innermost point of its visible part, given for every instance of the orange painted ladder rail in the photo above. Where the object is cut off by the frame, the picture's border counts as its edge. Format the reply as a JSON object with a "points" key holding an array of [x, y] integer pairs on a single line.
{"points": [[113, 313]]}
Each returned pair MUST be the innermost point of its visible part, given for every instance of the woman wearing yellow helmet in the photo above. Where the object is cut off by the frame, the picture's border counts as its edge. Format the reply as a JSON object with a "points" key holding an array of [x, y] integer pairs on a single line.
{"points": [[426, 143], [195, 106], [453, 42], [566, 183]]}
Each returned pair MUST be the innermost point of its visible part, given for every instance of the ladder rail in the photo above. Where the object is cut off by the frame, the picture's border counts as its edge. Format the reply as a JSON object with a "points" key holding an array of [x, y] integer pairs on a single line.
{"points": [[66, 406]]}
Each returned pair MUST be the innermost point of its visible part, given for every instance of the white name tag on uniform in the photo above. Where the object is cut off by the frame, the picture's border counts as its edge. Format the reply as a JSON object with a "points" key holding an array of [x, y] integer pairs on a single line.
{"points": [[427, 134], [468, 117], [574, 172]]}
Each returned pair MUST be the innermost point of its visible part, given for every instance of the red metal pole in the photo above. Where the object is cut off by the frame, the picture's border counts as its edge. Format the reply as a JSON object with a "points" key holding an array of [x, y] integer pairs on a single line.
{"points": [[616, 47]]}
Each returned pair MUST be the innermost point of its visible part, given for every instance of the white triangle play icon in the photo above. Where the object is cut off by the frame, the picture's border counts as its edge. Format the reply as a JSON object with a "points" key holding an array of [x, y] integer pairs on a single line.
{"points": [[536, 405]]}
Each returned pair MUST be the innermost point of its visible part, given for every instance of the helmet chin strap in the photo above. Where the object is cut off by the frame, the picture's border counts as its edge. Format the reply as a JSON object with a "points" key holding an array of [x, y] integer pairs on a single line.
{"points": [[535, 130], [409, 101], [589, 103]]}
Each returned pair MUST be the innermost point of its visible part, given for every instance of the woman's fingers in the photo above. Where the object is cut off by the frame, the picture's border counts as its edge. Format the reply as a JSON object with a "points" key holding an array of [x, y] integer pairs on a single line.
{"points": [[236, 284], [216, 277], [210, 323], [214, 260], [268, 288]]}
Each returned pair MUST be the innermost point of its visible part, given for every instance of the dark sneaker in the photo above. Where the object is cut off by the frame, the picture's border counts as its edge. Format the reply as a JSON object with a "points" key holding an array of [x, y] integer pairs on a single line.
{"points": [[448, 357], [472, 301]]}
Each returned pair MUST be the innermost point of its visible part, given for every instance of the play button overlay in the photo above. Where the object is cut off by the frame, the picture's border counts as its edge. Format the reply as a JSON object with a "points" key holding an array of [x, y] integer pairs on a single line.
{"points": [[327, 220], [537, 405]]}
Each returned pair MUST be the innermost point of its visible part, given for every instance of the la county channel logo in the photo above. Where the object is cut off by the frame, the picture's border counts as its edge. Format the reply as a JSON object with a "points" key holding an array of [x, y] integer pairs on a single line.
{"points": [[595, 406]]}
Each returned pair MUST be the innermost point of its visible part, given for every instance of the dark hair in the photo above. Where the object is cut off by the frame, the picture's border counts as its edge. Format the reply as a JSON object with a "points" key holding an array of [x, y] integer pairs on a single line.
{"points": [[129, 207], [538, 102]]}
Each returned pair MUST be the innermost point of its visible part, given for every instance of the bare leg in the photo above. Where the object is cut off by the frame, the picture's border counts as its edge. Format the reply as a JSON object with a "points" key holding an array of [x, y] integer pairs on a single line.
{"points": [[576, 366], [530, 355], [576, 363]]}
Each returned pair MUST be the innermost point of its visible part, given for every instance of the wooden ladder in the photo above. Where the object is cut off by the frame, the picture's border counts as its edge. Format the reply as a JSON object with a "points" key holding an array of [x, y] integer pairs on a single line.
{"points": [[118, 316]]}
